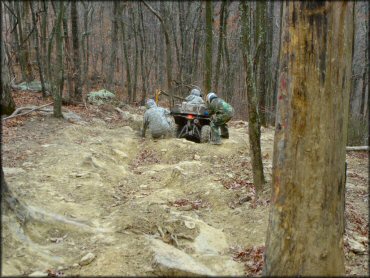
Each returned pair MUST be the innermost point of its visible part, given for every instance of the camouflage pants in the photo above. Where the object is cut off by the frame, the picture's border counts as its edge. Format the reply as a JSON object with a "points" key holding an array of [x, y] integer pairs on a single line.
{"points": [[218, 123]]}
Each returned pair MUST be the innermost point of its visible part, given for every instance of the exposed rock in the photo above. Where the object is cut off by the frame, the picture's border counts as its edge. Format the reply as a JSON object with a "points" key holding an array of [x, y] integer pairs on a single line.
{"points": [[38, 274], [100, 97], [121, 154], [71, 117], [88, 258], [169, 260], [210, 240], [356, 247], [196, 157], [13, 171]]}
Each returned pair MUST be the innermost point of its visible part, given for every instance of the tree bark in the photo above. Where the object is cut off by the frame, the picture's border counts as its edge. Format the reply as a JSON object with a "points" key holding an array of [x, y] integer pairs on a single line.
{"points": [[305, 232], [261, 12], [58, 75], [250, 54], [360, 65], [208, 48], [37, 48], [114, 42], [7, 102], [127, 62], [77, 95], [219, 47]]}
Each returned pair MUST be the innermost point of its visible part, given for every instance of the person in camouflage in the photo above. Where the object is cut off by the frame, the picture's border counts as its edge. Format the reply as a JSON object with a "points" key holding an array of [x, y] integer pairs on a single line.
{"points": [[221, 112], [194, 97], [155, 119]]}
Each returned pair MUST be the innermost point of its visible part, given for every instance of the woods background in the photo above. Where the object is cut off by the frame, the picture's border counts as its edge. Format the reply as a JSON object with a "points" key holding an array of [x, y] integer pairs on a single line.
{"points": [[134, 48]]}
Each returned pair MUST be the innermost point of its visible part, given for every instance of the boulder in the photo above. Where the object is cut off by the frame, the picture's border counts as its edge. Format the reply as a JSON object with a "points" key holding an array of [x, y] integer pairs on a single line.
{"points": [[100, 97], [71, 117], [170, 261]]}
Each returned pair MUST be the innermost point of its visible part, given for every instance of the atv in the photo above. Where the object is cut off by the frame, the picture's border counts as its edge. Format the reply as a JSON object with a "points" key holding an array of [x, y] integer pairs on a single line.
{"points": [[191, 122]]}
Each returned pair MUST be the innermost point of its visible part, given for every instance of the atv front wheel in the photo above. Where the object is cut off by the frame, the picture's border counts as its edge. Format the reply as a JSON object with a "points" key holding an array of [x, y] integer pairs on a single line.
{"points": [[205, 134]]}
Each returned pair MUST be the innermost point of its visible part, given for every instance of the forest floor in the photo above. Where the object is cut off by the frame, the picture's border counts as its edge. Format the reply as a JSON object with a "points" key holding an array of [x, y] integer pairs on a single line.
{"points": [[145, 207]]}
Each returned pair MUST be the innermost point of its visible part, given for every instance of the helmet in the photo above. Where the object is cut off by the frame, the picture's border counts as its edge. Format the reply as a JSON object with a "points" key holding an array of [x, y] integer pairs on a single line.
{"points": [[195, 92], [150, 103], [211, 96]]}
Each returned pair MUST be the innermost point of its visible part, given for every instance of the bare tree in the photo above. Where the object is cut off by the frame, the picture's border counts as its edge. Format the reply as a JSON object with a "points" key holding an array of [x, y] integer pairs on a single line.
{"points": [[208, 48], [305, 232], [77, 95], [7, 102], [59, 69], [251, 45]]}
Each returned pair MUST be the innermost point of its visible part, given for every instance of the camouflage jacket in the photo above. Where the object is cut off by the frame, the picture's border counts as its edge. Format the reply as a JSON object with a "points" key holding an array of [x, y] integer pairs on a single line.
{"points": [[219, 106], [194, 99], [155, 119]]}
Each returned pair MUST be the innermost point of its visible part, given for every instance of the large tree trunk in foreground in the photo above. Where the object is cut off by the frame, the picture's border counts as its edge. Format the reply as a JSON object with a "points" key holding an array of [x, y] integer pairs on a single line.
{"points": [[305, 233]]}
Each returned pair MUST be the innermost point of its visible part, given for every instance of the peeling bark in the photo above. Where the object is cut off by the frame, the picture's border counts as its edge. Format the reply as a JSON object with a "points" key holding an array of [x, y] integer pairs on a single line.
{"points": [[305, 232]]}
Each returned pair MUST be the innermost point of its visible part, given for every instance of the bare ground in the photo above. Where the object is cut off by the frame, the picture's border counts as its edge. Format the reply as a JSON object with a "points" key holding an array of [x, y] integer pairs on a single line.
{"points": [[117, 196]]}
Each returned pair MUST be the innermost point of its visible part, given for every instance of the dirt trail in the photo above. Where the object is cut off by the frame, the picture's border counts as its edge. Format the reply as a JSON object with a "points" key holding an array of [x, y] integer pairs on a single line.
{"points": [[125, 197]]}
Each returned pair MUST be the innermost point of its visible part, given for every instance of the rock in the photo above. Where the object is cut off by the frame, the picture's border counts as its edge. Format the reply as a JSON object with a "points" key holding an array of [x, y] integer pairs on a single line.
{"points": [[189, 224], [169, 260], [210, 241], [121, 154], [361, 239], [71, 117], [126, 116], [164, 150], [100, 97], [75, 265], [88, 258], [127, 129], [196, 157], [356, 247], [38, 274], [144, 186], [13, 171]]}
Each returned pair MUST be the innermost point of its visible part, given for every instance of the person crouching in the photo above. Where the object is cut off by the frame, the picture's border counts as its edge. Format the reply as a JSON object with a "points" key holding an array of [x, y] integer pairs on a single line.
{"points": [[155, 119], [221, 112]]}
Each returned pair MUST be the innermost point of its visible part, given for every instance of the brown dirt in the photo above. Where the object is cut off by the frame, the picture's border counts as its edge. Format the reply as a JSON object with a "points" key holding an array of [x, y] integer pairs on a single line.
{"points": [[102, 174]]}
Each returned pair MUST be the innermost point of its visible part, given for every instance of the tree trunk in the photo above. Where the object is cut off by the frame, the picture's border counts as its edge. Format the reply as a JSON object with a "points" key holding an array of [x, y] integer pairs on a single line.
{"points": [[305, 232], [125, 42], [208, 48], [22, 49], [360, 63], [58, 75], [7, 102], [77, 95], [37, 48], [261, 68], [250, 45], [68, 55], [219, 47], [167, 42], [113, 51], [143, 65]]}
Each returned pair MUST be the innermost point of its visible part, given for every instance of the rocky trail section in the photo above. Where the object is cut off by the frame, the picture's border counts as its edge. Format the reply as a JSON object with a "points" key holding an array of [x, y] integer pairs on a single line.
{"points": [[121, 205]]}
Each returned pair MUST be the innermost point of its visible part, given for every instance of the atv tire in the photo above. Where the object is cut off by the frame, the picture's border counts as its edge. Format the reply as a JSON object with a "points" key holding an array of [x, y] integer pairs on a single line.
{"points": [[205, 134]]}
